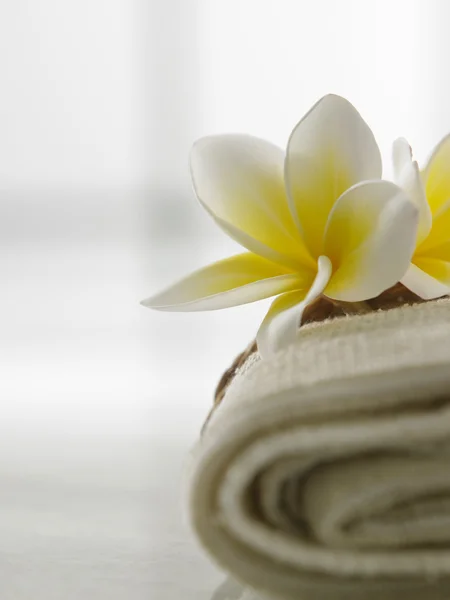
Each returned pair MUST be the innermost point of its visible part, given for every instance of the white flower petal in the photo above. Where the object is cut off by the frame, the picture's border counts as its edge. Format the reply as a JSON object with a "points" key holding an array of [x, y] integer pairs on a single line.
{"points": [[425, 285], [237, 280], [407, 176], [437, 244], [281, 324], [331, 149], [370, 238], [436, 176], [259, 248], [239, 180]]}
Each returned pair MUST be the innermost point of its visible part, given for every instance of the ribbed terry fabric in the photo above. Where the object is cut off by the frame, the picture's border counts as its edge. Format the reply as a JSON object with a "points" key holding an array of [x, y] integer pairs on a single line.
{"points": [[324, 474]]}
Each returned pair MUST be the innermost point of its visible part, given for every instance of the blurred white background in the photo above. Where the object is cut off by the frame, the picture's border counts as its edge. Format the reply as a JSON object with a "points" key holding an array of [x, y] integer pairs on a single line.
{"points": [[101, 399]]}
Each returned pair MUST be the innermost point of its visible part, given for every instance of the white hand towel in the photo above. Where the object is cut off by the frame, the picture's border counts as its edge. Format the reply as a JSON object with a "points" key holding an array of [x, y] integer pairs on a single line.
{"points": [[324, 474]]}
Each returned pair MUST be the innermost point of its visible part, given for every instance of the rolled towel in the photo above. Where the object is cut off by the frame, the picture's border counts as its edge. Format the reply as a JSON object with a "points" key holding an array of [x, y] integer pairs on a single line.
{"points": [[324, 474]]}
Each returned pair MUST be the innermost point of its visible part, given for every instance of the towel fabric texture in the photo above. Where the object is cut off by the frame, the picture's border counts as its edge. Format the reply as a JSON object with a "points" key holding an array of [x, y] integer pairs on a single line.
{"points": [[324, 473]]}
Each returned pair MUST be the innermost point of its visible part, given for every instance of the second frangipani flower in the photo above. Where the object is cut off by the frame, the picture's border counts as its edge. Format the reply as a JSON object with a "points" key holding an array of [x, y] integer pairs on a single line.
{"points": [[317, 220], [429, 273]]}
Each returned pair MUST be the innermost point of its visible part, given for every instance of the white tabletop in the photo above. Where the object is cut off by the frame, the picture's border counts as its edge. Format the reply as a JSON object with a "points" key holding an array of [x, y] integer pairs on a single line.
{"points": [[91, 518]]}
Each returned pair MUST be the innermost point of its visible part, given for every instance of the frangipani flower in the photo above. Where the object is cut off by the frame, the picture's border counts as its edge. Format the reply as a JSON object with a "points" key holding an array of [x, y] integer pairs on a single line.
{"points": [[318, 220], [429, 273]]}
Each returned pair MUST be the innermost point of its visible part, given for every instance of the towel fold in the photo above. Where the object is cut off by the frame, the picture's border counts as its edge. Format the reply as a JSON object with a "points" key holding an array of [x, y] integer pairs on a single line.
{"points": [[324, 474]]}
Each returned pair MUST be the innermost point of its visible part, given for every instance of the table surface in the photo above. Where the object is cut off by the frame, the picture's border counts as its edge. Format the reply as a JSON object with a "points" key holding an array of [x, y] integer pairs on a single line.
{"points": [[99, 519]]}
